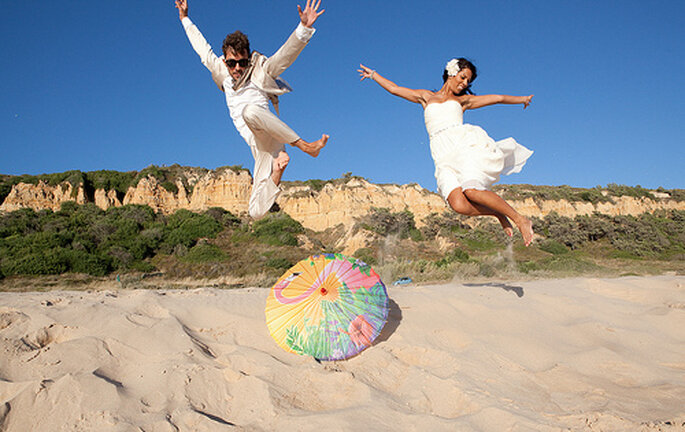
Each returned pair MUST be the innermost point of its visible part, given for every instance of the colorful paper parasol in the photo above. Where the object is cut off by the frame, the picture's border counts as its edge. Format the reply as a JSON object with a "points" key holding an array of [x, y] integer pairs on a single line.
{"points": [[327, 306]]}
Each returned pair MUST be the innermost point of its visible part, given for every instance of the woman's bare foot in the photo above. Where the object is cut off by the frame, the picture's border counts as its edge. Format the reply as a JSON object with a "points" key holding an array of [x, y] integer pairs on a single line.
{"points": [[278, 167], [506, 225], [526, 228], [311, 148]]}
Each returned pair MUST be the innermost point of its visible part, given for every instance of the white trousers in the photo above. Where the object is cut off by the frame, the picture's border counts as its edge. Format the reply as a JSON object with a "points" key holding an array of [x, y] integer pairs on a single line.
{"points": [[269, 135]]}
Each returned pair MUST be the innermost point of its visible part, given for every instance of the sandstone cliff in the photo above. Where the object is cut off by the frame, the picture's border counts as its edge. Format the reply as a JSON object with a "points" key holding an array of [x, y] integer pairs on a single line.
{"points": [[338, 202]]}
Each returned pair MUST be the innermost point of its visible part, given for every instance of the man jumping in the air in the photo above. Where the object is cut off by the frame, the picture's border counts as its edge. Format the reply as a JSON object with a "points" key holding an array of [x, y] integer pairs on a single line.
{"points": [[250, 80]]}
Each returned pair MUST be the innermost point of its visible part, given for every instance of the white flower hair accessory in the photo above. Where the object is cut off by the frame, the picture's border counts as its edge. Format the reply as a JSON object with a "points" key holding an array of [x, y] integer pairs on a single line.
{"points": [[452, 67]]}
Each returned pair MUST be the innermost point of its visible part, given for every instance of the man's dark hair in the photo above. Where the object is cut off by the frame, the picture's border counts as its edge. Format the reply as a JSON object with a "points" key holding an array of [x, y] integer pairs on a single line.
{"points": [[238, 42]]}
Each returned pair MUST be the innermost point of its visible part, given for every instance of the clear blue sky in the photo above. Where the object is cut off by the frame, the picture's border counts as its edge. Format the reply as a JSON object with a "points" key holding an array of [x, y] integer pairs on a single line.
{"points": [[93, 85]]}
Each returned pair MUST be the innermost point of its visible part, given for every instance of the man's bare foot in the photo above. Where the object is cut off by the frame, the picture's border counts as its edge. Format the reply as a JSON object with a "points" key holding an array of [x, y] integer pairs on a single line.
{"points": [[311, 148], [506, 225], [278, 167], [526, 228]]}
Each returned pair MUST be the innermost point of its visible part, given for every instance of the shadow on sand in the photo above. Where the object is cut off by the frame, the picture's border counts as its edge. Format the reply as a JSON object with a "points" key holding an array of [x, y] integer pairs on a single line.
{"points": [[394, 318], [506, 287]]}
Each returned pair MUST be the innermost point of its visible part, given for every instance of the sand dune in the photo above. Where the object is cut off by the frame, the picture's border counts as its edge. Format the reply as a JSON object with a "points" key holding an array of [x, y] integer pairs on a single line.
{"points": [[572, 354]]}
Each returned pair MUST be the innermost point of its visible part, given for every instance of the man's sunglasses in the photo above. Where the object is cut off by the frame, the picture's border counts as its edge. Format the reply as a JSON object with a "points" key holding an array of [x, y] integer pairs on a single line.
{"points": [[231, 63]]}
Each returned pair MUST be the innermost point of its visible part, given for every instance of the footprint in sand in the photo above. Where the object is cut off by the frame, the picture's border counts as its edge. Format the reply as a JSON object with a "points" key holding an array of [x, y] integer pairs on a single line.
{"points": [[148, 314], [10, 317], [54, 333], [153, 402], [52, 302]]}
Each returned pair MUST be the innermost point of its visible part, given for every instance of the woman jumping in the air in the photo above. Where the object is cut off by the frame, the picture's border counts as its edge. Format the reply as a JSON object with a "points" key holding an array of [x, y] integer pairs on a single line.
{"points": [[467, 160]]}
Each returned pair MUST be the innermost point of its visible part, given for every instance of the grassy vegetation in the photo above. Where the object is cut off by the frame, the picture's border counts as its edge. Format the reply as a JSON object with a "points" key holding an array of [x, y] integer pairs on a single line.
{"points": [[384, 222], [317, 185], [477, 248], [86, 239], [134, 240], [594, 195], [546, 193]]}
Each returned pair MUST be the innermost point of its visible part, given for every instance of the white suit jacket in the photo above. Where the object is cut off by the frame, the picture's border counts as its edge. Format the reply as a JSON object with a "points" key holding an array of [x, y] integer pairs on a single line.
{"points": [[266, 70]]}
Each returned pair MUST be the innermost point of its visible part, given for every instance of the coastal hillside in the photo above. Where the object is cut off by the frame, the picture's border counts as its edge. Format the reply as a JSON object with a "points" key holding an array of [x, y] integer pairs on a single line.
{"points": [[316, 204], [190, 224]]}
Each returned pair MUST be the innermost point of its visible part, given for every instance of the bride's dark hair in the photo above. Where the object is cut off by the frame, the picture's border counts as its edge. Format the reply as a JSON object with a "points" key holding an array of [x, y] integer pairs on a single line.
{"points": [[463, 63]]}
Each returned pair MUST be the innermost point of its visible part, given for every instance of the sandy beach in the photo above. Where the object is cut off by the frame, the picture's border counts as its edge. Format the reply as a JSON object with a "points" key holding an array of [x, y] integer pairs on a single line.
{"points": [[570, 354]]}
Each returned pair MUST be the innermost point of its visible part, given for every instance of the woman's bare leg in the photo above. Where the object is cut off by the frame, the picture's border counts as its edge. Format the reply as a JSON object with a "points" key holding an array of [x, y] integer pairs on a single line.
{"points": [[495, 202], [461, 204]]}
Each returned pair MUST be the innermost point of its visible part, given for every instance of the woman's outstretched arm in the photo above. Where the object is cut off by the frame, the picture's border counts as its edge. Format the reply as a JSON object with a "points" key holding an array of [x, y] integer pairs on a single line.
{"points": [[416, 96], [479, 101]]}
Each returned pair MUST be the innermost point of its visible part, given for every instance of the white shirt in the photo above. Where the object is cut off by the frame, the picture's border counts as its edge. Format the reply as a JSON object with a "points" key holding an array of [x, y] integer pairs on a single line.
{"points": [[249, 94]]}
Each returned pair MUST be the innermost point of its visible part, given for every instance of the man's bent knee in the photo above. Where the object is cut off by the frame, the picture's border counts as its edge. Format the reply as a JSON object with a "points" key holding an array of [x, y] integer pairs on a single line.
{"points": [[257, 213], [251, 115]]}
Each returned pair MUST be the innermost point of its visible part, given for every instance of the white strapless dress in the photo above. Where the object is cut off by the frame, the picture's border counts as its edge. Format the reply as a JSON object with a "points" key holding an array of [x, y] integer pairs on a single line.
{"points": [[464, 155]]}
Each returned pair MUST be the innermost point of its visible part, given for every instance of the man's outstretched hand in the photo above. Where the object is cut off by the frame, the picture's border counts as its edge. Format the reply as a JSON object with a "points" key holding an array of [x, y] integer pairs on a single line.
{"points": [[182, 6], [308, 16]]}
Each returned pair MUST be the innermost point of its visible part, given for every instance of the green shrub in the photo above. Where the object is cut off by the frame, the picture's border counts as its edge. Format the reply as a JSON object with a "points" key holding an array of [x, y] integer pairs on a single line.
{"points": [[86, 239], [677, 194], [223, 216], [366, 254], [562, 229], [205, 252], [639, 236], [595, 227], [37, 263], [110, 180], [455, 255], [551, 193], [142, 266], [67, 208], [120, 257], [186, 227], [384, 222], [316, 184], [83, 262], [592, 195], [277, 229], [553, 247], [623, 190], [446, 224], [170, 186], [279, 263], [20, 221], [140, 214], [235, 168], [621, 254], [567, 264], [478, 239]]}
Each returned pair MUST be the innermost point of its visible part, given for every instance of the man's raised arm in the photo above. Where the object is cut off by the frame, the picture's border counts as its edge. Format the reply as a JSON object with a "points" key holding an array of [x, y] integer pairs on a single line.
{"points": [[286, 55], [201, 47]]}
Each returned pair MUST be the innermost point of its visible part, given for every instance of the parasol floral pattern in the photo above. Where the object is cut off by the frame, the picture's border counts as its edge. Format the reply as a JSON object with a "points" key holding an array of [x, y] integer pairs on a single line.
{"points": [[327, 306]]}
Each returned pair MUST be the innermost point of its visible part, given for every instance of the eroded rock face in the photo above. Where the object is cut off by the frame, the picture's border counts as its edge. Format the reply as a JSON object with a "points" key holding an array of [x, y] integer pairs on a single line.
{"points": [[150, 192], [337, 203], [343, 203], [106, 199], [42, 196], [227, 189], [223, 188]]}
